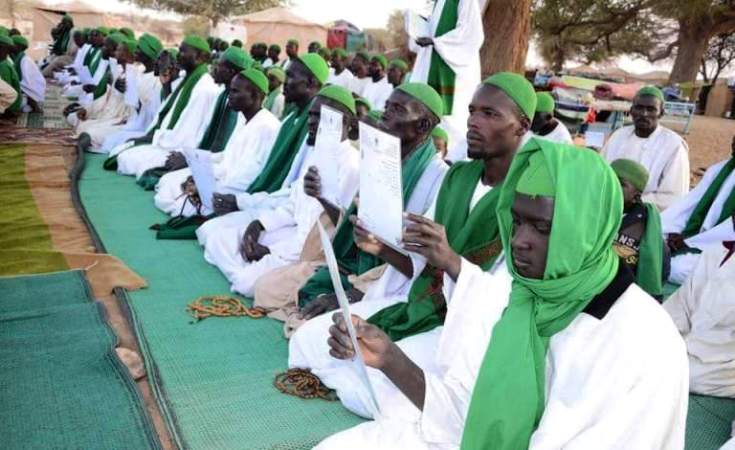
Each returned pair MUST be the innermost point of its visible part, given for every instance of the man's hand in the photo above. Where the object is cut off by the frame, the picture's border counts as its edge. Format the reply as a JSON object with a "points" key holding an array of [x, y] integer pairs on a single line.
{"points": [[424, 41], [224, 203], [313, 183], [250, 249], [327, 302], [429, 239], [175, 161], [70, 108], [189, 187], [81, 114], [364, 240], [89, 88], [676, 243], [120, 85], [377, 348]]}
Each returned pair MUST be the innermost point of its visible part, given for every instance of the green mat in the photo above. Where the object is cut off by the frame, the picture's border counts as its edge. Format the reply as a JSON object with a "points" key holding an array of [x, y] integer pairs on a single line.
{"points": [[214, 378], [61, 384], [709, 422]]}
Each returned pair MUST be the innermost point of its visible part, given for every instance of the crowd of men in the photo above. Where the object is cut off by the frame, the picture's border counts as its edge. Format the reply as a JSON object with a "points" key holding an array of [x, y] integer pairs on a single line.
{"points": [[526, 308]]}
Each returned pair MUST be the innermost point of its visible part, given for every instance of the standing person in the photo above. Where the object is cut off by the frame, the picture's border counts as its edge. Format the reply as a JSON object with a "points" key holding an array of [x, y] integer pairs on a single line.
{"points": [[449, 61], [8, 73], [32, 82], [378, 91], [663, 153], [274, 55], [314, 47], [292, 53], [397, 70], [64, 49], [341, 75], [359, 68], [545, 125], [275, 100]]}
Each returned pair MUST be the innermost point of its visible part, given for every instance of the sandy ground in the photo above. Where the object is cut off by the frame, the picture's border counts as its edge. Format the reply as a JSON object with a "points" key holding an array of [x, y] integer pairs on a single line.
{"points": [[709, 142]]}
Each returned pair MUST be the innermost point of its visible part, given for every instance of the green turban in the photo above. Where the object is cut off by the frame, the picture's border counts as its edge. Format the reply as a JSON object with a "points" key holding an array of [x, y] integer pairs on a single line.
{"points": [[174, 52], [293, 42], [339, 95], [545, 103], [20, 40], [104, 31], [426, 95], [149, 45], [340, 53], [536, 180], [440, 133], [127, 32], [382, 60], [197, 42], [632, 172], [519, 89], [117, 38], [275, 47], [6, 40], [400, 64], [256, 77], [364, 101], [237, 57], [316, 66], [277, 72], [651, 90]]}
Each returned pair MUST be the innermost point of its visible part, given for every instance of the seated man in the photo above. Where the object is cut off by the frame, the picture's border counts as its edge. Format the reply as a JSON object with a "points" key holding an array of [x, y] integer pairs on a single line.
{"points": [[97, 64], [662, 152], [545, 125], [701, 218], [242, 159], [275, 101], [70, 72], [32, 82], [571, 354], [179, 122], [639, 242], [412, 112], [379, 89], [465, 227], [8, 74], [276, 238], [63, 49]]}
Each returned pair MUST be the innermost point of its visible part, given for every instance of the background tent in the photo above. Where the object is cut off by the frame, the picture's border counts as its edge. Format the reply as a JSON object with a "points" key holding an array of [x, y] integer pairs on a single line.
{"points": [[278, 25]]}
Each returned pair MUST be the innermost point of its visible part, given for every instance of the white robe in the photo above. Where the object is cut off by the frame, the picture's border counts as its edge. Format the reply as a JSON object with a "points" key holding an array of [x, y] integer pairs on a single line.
{"points": [[64, 77], [674, 219], [664, 154], [559, 134], [187, 132], [616, 383], [344, 79], [308, 349], [287, 226], [460, 49], [704, 311], [279, 105], [377, 92], [358, 85], [234, 168], [33, 84], [77, 89]]}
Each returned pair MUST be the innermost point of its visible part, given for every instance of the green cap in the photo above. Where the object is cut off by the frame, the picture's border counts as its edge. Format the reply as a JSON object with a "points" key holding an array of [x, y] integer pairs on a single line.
{"points": [[399, 63], [325, 53], [293, 41], [651, 90], [382, 60], [426, 95], [440, 133], [275, 47], [237, 57], [536, 180], [317, 43], [103, 30], [316, 65], [339, 95], [364, 101], [131, 44], [20, 40], [364, 55], [277, 72], [632, 172], [518, 88], [256, 77], [117, 38], [544, 103], [173, 51], [149, 45], [5, 39], [127, 32], [197, 42]]}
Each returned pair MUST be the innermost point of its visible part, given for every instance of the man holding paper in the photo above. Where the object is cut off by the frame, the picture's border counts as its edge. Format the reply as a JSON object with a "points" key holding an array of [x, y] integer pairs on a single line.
{"points": [[327, 182], [461, 224], [447, 51]]}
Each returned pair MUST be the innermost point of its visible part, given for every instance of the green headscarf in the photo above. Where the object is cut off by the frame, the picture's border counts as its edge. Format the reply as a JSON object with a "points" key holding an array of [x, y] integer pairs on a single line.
{"points": [[509, 396]]}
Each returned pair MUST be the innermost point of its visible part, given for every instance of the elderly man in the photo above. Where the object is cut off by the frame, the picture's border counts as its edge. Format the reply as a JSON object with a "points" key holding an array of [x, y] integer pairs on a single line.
{"points": [[701, 218], [341, 75], [461, 224], [662, 152], [378, 91], [545, 125], [569, 353], [32, 82]]}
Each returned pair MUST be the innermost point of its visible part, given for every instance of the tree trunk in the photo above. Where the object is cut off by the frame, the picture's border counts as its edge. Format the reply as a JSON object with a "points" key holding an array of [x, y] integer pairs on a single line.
{"points": [[693, 42], [507, 26]]}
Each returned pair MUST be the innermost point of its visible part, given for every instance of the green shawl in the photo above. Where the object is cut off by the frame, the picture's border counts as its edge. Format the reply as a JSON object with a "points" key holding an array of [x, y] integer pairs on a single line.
{"points": [[509, 396], [288, 142], [441, 76], [270, 99], [650, 254], [350, 259], [220, 126], [694, 224], [16, 62], [471, 234], [10, 76], [92, 59], [61, 44], [101, 88]]}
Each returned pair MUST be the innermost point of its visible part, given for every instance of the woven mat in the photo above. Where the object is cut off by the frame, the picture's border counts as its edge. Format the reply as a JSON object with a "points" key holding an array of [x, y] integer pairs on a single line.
{"points": [[213, 378], [52, 115], [61, 384], [709, 422]]}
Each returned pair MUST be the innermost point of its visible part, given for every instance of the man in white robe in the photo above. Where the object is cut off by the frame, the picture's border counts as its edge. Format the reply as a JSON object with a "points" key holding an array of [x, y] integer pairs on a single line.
{"points": [[614, 372], [458, 47], [378, 91], [244, 155], [661, 151], [32, 82], [341, 75], [70, 72], [64, 47], [359, 69], [545, 125], [189, 126], [292, 53], [274, 52], [277, 236], [275, 101], [701, 218], [95, 64]]}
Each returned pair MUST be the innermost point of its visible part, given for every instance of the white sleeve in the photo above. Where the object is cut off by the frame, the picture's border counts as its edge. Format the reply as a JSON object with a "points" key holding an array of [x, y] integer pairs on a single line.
{"points": [[459, 47], [190, 127], [252, 163], [674, 182], [674, 218], [722, 232]]}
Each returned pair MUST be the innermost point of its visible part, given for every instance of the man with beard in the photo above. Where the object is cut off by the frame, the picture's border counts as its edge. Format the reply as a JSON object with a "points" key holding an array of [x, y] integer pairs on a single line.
{"points": [[378, 91]]}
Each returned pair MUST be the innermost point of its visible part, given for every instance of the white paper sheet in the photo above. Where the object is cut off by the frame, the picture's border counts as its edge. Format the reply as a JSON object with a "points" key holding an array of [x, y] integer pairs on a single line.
{"points": [[381, 186], [131, 86], [594, 139], [416, 26], [328, 139], [344, 304], [201, 169]]}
